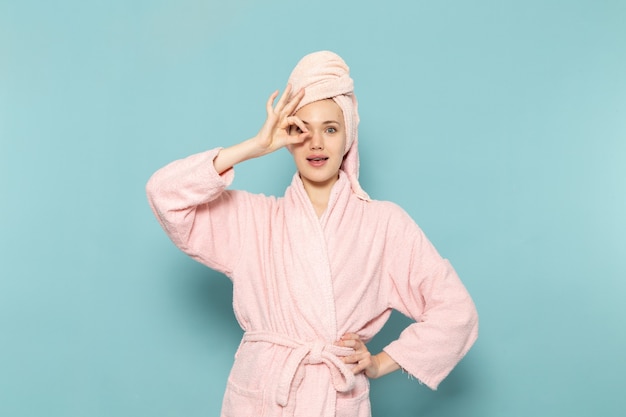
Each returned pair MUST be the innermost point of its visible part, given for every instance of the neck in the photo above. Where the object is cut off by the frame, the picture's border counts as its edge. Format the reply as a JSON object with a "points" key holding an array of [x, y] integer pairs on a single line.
{"points": [[319, 193]]}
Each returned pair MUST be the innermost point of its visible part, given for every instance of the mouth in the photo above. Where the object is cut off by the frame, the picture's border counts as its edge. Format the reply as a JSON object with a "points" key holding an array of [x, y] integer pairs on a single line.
{"points": [[317, 161]]}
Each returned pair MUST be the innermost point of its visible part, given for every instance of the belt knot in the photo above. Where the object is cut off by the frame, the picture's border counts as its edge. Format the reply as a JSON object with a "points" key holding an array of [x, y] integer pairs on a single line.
{"points": [[315, 352]]}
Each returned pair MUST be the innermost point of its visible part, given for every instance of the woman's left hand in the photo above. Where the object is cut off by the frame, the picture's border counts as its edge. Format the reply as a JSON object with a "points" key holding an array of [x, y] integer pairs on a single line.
{"points": [[362, 358]]}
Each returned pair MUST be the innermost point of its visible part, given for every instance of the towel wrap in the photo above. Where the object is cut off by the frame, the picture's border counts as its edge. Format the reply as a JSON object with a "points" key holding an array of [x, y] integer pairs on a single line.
{"points": [[325, 75]]}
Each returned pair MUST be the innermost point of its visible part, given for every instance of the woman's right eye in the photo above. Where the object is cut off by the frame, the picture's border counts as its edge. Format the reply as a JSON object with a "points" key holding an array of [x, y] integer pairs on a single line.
{"points": [[294, 130]]}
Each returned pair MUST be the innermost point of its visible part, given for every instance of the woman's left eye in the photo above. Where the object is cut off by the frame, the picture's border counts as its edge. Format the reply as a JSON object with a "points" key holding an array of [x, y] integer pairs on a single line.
{"points": [[331, 130]]}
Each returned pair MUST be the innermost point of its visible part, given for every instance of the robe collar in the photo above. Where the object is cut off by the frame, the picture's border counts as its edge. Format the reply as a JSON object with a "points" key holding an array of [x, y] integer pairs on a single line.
{"points": [[340, 195]]}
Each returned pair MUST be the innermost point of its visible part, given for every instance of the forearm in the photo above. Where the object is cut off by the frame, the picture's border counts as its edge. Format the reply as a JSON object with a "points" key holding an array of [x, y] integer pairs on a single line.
{"points": [[231, 156], [386, 365]]}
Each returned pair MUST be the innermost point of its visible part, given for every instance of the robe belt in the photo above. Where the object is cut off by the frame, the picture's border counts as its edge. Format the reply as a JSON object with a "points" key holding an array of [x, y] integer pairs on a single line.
{"points": [[313, 353]]}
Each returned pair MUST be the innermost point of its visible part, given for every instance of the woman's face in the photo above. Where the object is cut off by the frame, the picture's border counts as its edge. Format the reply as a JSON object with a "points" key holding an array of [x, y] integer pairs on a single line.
{"points": [[319, 157]]}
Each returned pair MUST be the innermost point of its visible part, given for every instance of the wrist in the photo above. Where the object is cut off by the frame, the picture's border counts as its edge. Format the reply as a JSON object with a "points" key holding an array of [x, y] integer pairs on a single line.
{"points": [[256, 147], [385, 364], [231, 156]]}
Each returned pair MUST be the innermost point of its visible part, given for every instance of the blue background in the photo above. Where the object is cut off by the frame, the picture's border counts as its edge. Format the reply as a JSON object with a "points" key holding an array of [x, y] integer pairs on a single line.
{"points": [[500, 126]]}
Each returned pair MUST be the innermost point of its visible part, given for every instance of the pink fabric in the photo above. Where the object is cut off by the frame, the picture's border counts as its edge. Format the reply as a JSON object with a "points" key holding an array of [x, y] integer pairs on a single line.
{"points": [[300, 282], [307, 353], [324, 75]]}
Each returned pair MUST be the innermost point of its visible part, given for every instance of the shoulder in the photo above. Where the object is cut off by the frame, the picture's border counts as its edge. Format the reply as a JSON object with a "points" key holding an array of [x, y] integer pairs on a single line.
{"points": [[395, 219], [388, 209]]}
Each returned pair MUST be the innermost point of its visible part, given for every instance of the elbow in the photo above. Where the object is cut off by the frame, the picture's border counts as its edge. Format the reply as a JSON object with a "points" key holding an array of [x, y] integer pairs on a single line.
{"points": [[155, 199], [472, 315], [464, 325], [152, 188], [470, 324], [154, 192]]}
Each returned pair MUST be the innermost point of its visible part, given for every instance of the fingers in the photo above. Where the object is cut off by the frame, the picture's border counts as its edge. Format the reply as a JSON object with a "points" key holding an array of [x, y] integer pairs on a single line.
{"points": [[361, 358], [275, 132], [296, 130], [286, 104], [362, 366], [351, 336], [296, 121], [351, 340], [293, 102], [269, 106], [282, 100]]}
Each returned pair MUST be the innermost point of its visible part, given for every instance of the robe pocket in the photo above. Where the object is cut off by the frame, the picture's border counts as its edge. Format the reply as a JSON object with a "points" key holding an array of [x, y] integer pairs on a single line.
{"points": [[357, 404], [242, 402]]}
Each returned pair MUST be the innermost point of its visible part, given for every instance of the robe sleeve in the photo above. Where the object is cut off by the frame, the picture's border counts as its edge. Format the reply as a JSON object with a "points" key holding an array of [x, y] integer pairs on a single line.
{"points": [[190, 201], [426, 287]]}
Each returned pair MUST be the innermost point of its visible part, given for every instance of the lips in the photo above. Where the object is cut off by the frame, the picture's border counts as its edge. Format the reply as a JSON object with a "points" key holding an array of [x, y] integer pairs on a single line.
{"points": [[317, 160]]}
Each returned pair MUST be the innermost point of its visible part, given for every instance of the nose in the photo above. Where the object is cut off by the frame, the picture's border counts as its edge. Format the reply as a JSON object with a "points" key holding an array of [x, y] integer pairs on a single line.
{"points": [[317, 141]]}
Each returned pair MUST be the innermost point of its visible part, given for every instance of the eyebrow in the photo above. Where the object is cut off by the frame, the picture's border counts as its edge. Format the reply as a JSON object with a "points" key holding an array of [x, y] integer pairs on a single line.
{"points": [[327, 122]]}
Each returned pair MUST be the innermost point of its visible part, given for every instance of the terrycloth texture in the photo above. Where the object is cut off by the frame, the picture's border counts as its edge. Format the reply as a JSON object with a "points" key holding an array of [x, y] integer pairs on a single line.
{"points": [[325, 75], [300, 282]]}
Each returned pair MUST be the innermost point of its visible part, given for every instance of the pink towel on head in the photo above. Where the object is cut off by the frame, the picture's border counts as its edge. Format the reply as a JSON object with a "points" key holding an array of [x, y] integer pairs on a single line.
{"points": [[325, 75]]}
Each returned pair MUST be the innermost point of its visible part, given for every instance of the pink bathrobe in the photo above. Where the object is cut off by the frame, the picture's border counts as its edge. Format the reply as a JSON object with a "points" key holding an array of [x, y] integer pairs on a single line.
{"points": [[300, 282]]}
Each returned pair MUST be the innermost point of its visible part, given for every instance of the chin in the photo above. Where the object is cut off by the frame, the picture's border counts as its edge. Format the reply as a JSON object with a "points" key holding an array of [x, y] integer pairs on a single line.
{"points": [[320, 179]]}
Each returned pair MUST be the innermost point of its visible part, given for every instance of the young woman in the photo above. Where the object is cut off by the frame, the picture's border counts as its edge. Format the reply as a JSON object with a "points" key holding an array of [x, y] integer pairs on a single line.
{"points": [[316, 272]]}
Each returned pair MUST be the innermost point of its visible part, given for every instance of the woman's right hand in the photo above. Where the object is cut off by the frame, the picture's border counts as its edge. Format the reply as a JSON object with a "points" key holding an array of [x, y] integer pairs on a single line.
{"points": [[281, 128]]}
